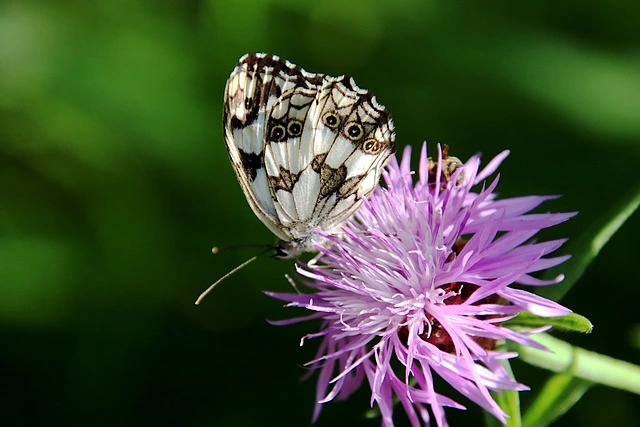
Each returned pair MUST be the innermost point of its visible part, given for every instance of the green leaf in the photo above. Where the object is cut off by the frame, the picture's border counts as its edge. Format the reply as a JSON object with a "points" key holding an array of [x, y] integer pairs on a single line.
{"points": [[585, 248], [581, 363], [571, 322], [375, 411], [372, 413], [558, 395], [509, 401]]}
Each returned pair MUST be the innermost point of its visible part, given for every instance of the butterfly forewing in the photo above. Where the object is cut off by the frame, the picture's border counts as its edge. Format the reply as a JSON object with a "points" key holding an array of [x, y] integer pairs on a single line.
{"points": [[307, 148]]}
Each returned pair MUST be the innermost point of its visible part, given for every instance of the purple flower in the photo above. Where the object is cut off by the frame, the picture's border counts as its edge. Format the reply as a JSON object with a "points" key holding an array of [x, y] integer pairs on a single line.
{"points": [[424, 274]]}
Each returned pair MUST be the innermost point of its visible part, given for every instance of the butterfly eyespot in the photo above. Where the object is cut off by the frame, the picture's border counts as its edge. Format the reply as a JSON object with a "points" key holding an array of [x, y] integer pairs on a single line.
{"points": [[278, 132], [294, 128], [331, 120], [372, 146], [248, 103], [354, 131]]}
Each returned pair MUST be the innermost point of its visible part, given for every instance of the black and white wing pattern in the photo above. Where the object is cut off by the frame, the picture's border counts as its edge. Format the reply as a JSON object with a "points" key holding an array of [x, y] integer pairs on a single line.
{"points": [[306, 147]]}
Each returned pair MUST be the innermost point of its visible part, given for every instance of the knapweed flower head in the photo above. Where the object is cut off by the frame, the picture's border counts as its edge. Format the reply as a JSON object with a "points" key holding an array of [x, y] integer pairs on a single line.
{"points": [[418, 285]]}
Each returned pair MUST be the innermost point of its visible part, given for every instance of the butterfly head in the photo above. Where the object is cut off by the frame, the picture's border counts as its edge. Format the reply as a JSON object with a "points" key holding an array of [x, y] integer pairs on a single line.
{"points": [[287, 249], [282, 252]]}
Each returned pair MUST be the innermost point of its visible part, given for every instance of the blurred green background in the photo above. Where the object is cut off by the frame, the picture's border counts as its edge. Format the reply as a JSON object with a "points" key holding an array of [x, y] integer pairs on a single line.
{"points": [[115, 184]]}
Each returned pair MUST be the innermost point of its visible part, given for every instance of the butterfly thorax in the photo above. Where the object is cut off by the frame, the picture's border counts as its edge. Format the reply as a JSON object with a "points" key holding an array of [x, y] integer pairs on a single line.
{"points": [[305, 237]]}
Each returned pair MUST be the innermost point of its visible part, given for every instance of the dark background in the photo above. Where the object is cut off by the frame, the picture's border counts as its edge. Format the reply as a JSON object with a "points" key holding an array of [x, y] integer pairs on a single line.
{"points": [[115, 184]]}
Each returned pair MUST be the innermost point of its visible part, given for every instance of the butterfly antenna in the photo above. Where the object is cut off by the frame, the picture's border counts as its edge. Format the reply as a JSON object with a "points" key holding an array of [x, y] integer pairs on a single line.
{"points": [[210, 288], [215, 251]]}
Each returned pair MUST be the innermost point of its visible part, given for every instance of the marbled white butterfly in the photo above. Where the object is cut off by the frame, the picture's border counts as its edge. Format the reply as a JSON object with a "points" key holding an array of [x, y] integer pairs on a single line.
{"points": [[306, 147]]}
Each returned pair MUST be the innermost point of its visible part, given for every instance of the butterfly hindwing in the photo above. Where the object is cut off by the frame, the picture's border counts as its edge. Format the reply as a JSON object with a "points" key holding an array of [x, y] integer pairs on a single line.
{"points": [[307, 148]]}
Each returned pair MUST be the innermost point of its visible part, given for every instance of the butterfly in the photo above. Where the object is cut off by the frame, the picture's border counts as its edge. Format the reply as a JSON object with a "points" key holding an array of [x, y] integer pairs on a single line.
{"points": [[306, 148]]}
